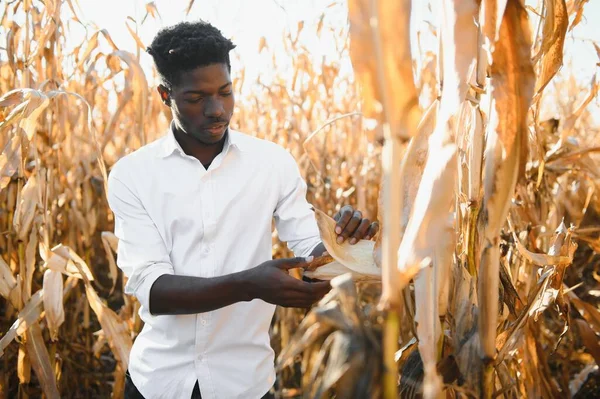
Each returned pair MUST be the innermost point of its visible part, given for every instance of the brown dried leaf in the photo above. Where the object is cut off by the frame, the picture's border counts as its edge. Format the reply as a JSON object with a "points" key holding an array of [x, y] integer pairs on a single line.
{"points": [[133, 34], [414, 161], [115, 330], [512, 84], [589, 338], [40, 361], [12, 98], [152, 10], [28, 202], [577, 8], [381, 57], [541, 259], [431, 210], [459, 44], [110, 242], [7, 280], [30, 258], [9, 160], [27, 317], [589, 312], [65, 260], [556, 23], [23, 366]]}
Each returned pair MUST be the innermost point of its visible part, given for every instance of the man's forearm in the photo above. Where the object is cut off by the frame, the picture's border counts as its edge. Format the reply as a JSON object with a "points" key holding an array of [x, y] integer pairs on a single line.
{"points": [[172, 294]]}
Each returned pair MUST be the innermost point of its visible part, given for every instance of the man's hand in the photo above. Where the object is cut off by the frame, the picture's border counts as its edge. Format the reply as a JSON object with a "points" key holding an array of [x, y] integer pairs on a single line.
{"points": [[271, 282], [351, 224]]}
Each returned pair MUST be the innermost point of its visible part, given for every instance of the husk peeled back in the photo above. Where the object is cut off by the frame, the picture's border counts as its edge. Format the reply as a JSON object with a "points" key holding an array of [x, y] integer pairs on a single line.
{"points": [[356, 259]]}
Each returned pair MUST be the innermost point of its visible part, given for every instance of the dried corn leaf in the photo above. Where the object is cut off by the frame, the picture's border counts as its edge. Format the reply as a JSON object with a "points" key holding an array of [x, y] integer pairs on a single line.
{"points": [[381, 57], [459, 43], [556, 22], [576, 7], [53, 301], [9, 160], [27, 317], [115, 330], [133, 34], [589, 338], [490, 17], [110, 243], [431, 211], [541, 259], [589, 312], [65, 260], [40, 361], [414, 161], [512, 84], [23, 366], [28, 202], [36, 102], [7, 280], [30, 258]]}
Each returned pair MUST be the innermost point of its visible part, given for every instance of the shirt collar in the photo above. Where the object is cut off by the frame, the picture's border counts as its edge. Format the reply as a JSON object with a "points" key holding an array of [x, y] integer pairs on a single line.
{"points": [[170, 144]]}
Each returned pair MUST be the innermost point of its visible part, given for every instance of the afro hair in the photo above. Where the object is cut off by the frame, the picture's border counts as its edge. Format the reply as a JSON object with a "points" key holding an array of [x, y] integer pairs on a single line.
{"points": [[186, 46]]}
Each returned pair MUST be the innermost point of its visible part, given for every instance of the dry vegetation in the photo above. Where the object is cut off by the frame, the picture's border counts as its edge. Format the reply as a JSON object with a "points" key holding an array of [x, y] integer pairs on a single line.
{"points": [[494, 209]]}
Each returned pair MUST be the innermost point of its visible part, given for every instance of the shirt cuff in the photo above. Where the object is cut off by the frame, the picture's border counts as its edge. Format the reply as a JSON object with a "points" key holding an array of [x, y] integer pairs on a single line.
{"points": [[303, 248], [140, 287]]}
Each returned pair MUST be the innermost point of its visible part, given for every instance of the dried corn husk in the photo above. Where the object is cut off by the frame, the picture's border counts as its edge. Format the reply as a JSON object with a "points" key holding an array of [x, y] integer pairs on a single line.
{"points": [[356, 259], [53, 301]]}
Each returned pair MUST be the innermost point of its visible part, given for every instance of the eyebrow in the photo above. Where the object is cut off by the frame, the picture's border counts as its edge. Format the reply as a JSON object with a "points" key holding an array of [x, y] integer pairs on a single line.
{"points": [[203, 92]]}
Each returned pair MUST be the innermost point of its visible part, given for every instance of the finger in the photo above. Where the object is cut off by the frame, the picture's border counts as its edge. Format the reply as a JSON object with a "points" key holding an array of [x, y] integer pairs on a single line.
{"points": [[350, 227], [361, 231], [345, 216], [373, 229], [337, 215], [293, 263], [309, 290]]}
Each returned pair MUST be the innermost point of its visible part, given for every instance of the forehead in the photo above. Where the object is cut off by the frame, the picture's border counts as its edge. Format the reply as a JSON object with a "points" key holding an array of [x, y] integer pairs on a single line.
{"points": [[207, 77]]}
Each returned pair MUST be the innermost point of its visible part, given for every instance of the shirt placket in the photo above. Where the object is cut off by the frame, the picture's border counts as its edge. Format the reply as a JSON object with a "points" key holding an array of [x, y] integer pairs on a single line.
{"points": [[203, 320]]}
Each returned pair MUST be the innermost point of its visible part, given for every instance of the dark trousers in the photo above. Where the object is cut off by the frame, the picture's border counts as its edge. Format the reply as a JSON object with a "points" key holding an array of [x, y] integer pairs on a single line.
{"points": [[131, 392]]}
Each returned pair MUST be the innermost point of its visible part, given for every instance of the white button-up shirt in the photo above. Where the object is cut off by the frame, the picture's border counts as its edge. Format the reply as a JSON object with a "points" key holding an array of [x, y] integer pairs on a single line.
{"points": [[174, 217]]}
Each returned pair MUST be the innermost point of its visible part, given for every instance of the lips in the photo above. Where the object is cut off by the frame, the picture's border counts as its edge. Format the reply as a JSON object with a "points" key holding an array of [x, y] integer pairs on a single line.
{"points": [[216, 128]]}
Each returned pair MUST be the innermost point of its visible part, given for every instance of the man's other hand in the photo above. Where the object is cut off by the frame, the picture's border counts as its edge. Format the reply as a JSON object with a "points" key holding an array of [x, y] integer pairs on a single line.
{"points": [[351, 225]]}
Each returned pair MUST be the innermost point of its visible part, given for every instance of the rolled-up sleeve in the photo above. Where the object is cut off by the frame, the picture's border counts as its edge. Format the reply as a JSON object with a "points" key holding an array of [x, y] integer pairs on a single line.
{"points": [[294, 219], [141, 254]]}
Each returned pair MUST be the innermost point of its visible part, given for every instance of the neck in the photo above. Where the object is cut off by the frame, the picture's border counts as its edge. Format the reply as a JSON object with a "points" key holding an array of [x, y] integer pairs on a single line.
{"points": [[205, 153]]}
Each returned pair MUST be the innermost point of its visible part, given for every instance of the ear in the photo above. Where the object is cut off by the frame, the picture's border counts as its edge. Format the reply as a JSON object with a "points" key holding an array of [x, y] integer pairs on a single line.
{"points": [[165, 95]]}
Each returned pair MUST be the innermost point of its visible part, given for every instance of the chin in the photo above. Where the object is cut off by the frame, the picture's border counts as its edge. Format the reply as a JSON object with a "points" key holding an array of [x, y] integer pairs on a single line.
{"points": [[208, 138]]}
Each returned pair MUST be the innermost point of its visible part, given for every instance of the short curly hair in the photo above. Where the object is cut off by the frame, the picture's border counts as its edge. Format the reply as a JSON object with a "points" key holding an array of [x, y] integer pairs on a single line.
{"points": [[186, 46]]}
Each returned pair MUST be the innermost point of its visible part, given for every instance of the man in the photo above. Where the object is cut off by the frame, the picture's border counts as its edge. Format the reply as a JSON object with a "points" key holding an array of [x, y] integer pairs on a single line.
{"points": [[193, 213]]}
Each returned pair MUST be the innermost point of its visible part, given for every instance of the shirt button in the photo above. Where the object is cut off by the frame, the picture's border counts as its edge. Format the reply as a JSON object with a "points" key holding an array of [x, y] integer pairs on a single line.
{"points": [[203, 322]]}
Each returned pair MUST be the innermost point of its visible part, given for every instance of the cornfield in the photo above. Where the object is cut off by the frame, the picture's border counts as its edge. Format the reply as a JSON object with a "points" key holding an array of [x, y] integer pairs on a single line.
{"points": [[489, 253]]}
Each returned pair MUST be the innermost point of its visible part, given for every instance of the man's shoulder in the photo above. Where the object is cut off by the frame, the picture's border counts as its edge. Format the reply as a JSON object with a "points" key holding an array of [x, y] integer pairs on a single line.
{"points": [[258, 145], [138, 160]]}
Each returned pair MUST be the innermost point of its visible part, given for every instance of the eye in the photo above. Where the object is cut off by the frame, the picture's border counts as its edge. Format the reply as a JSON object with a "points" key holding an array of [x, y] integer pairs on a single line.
{"points": [[227, 94], [194, 100]]}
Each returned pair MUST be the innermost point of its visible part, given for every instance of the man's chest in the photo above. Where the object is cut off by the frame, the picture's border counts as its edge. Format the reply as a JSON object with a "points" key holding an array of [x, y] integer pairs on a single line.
{"points": [[183, 199]]}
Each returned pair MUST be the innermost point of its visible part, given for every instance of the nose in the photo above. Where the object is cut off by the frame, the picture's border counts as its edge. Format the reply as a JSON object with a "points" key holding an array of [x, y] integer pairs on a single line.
{"points": [[213, 108]]}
